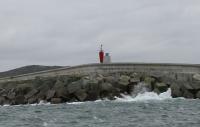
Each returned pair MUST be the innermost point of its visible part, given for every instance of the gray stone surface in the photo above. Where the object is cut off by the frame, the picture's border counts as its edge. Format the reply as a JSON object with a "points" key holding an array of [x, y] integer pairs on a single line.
{"points": [[50, 94], [196, 77], [73, 87], [198, 94], [81, 95], [31, 93], [124, 80], [56, 100]]}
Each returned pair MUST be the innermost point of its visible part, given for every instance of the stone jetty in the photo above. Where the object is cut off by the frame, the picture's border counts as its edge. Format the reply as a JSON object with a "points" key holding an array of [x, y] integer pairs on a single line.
{"points": [[90, 87]]}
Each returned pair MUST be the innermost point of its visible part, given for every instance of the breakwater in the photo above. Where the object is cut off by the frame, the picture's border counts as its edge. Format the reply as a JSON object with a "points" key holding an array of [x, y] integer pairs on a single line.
{"points": [[174, 71], [99, 81]]}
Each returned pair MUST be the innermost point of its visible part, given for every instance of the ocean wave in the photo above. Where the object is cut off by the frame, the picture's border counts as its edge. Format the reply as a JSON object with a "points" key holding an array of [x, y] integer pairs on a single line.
{"points": [[145, 96]]}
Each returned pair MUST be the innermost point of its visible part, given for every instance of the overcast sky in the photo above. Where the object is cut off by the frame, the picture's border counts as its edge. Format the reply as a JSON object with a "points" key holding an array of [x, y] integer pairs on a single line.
{"points": [[69, 32]]}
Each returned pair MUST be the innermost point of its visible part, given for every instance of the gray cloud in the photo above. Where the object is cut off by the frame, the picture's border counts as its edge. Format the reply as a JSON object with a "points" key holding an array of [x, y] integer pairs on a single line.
{"points": [[66, 32]]}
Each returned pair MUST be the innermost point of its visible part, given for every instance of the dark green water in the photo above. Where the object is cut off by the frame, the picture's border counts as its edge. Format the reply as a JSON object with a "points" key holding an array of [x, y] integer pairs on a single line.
{"points": [[122, 113]]}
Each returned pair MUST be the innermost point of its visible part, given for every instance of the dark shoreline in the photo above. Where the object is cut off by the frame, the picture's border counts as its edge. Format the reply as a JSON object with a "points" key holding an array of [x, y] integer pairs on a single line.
{"points": [[80, 88]]}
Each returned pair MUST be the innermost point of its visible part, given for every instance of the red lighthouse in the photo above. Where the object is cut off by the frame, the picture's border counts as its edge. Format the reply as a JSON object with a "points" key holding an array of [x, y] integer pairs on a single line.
{"points": [[101, 54]]}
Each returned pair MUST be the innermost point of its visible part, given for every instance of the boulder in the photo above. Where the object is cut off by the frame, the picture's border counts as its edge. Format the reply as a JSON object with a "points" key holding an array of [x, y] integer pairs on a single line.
{"points": [[24, 88], [196, 77], [134, 75], [92, 96], [198, 95], [100, 78], [81, 95], [149, 80], [162, 87], [93, 86], [134, 80], [195, 85], [110, 79], [176, 90], [59, 84], [188, 94], [56, 100], [11, 95], [149, 83], [19, 100], [2, 92], [64, 79], [73, 87], [62, 93], [156, 90], [50, 94], [43, 91], [32, 100], [41, 95], [31, 93], [106, 87], [85, 83], [124, 80], [2, 100], [187, 86]]}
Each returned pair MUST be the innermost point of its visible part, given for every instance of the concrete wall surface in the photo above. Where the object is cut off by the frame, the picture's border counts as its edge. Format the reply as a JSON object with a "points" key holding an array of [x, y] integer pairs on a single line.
{"points": [[182, 72]]}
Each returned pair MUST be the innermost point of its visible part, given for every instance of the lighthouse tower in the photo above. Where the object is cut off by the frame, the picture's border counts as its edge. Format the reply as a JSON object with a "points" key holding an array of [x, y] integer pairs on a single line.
{"points": [[101, 54]]}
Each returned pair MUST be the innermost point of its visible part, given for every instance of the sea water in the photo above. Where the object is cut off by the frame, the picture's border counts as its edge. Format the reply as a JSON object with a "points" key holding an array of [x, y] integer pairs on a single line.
{"points": [[144, 110]]}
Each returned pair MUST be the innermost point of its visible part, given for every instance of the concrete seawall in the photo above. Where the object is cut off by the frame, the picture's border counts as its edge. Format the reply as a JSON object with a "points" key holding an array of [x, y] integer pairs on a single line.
{"points": [[179, 72], [99, 81]]}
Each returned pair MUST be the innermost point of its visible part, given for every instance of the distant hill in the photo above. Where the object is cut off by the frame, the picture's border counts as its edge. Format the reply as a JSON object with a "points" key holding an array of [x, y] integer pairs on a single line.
{"points": [[26, 70]]}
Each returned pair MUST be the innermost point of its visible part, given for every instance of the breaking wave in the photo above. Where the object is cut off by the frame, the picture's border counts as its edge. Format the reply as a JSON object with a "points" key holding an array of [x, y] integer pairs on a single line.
{"points": [[145, 96]]}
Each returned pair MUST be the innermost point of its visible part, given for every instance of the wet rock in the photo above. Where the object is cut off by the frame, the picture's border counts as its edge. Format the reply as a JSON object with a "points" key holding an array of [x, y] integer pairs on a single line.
{"points": [[2, 92], [31, 93], [195, 85], [196, 77], [64, 80], [32, 100], [110, 79], [2, 100], [124, 80], [176, 90], [92, 96], [162, 87], [93, 85], [11, 95], [73, 87], [62, 93], [188, 94], [134, 75], [149, 80], [198, 95], [81, 95], [106, 87], [134, 80], [19, 100], [56, 100], [187, 86], [156, 90], [23, 89], [50, 94], [59, 84]]}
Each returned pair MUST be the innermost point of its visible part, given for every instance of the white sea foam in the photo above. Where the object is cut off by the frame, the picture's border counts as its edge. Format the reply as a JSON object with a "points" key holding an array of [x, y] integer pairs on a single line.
{"points": [[6, 105], [41, 103], [76, 103], [145, 96], [45, 124]]}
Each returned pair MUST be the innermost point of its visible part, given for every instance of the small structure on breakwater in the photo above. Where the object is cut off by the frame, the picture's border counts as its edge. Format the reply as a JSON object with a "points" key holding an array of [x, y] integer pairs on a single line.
{"points": [[106, 59]]}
